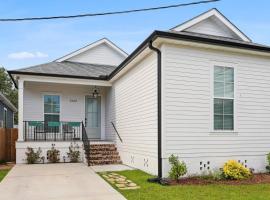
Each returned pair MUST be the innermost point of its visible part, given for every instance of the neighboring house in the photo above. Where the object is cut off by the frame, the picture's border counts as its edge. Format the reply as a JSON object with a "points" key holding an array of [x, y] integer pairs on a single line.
{"points": [[7, 110], [200, 91]]}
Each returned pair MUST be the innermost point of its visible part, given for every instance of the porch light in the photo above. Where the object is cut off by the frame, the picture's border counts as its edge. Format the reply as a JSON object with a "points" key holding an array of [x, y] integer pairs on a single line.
{"points": [[95, 92]]}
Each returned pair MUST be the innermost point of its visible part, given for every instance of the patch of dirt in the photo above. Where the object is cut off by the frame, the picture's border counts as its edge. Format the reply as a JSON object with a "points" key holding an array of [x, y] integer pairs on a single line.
{"points": [[255, 179], [6, 166]]}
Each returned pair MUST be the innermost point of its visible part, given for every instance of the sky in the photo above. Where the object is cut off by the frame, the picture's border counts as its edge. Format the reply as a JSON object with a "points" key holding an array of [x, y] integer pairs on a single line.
{"points": [[24, 44]]}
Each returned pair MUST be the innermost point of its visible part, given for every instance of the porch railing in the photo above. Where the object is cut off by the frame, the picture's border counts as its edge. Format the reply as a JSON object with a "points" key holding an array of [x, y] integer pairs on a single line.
{"points": [[52, 131]]}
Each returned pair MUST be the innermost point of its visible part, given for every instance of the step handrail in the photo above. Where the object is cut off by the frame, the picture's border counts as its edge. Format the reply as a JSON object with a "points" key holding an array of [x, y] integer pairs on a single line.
{"points": [[117, 132], [86, 142]]}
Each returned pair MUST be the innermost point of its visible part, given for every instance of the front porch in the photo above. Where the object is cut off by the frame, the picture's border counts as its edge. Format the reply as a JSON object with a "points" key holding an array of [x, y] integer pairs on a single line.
{"points": [[59, 111], [55, 112]]}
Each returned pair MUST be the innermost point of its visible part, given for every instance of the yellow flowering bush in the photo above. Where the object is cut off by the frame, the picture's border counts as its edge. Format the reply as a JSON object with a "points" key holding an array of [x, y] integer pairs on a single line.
{"points": [[234, 170]]}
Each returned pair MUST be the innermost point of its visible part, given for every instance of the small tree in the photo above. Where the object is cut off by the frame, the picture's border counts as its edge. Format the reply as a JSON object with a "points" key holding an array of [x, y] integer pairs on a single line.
{"points": [[53, 154], [268, 160], [32, 157], [8, 89], [74, 153], [178, 168]]}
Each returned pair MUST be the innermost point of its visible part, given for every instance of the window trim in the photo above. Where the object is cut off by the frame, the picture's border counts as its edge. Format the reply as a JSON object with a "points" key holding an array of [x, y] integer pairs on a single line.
{"points": [[212, 130], [43, 104], [5, 118]]}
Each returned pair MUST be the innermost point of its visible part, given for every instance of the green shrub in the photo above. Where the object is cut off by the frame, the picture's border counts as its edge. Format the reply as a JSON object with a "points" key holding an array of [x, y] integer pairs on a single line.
{"points": [[178, 168], [32, 156], [235, 171], [74, 153], [2, 162], [53, 155], [268, 160], [212, 175]]}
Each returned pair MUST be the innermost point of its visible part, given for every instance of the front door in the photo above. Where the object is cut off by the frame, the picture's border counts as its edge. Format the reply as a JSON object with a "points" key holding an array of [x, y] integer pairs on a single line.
{"points": [[93, 117]]}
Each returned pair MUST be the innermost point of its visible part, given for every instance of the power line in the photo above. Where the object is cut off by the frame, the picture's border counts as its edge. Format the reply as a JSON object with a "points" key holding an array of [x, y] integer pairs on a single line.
{"points": [[106, 13]]}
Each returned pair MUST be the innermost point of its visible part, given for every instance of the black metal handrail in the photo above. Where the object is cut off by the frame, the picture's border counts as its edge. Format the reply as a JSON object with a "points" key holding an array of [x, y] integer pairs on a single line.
{"points": [[117, 132], [86, 144], [52, 131]]}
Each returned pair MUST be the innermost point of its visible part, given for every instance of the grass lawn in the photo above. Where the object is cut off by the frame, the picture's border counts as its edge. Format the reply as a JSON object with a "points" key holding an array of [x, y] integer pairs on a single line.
{"points": [[3, 173], [208, 192]]}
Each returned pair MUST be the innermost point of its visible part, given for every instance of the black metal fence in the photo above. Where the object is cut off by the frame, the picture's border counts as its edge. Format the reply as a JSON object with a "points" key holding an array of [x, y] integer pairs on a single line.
{"points": [[52, 131]]}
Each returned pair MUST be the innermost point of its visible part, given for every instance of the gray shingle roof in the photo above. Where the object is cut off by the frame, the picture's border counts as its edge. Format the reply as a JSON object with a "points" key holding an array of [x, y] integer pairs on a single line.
{"points": [[7, 102], [70, 68], [220, 38]]}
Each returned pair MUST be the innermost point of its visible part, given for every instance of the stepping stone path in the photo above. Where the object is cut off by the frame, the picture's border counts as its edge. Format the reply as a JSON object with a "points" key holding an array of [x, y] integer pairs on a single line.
{"points": [[120, 181]]}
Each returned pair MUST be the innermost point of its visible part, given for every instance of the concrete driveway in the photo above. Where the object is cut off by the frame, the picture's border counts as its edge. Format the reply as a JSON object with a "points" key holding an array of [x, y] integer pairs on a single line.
{"points": [[55, 181]]}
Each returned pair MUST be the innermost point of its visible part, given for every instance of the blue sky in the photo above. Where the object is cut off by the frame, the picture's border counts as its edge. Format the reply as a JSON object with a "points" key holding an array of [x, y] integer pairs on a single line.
{"points": [[28, 43]]}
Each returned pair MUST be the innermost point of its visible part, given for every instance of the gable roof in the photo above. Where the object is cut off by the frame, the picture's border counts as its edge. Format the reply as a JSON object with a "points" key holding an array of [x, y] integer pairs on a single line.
{"points": [[212, 14], [191, 37], [68, 69], [172, 34], [90, 46], [7, 103], [80, 70]]}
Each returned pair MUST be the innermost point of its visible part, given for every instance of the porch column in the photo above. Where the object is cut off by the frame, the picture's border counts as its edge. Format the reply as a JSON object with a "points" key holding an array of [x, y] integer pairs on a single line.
{"points": [[20, 109]]}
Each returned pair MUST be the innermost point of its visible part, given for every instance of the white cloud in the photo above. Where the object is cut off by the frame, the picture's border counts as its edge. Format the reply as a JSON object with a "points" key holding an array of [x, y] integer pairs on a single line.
{"points": [[41, 55], [27, 55]]}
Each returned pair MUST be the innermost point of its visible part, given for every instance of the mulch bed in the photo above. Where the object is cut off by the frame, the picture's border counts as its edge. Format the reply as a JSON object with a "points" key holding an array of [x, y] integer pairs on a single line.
{"points": [[6, 166], [255, 179]]}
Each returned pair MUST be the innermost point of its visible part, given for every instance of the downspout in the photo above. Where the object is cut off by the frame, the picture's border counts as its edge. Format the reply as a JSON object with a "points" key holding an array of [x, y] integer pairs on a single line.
{"points": [[159, 136]]}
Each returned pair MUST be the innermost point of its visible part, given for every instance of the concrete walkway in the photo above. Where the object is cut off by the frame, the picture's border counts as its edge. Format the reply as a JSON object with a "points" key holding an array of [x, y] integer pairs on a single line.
{"points": [[57, 182], [110, 168]]}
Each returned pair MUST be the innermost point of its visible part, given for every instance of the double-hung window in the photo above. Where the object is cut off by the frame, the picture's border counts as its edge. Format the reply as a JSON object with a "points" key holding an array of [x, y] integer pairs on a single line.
{"points": [[51, 108], [223, 98]]}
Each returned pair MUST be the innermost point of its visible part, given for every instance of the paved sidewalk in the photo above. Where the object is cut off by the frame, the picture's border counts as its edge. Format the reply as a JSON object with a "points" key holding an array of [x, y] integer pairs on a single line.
{"points": [[57, 182]]}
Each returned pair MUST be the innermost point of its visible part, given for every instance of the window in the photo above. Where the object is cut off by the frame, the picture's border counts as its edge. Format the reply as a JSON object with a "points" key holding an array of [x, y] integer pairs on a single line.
{"points": [[5, 121], [51, 108], [223, 98]]}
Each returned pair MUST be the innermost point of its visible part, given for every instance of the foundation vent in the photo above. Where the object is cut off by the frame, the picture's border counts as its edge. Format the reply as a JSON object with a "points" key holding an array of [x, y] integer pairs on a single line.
{"points": [[205, 165], [243, 162]]}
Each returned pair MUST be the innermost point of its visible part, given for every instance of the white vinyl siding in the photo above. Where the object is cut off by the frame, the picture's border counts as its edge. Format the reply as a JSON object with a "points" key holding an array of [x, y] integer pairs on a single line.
{"points": [[132, 103], [102, 54], [212, 26], [188, 108]]}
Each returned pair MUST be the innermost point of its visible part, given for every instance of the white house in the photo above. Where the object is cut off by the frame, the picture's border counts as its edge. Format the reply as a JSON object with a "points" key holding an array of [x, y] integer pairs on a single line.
{"points": [[200, 91]]}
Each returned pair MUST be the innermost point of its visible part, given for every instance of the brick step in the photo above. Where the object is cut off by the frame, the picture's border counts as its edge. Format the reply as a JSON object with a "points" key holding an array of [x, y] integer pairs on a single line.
{"points": [[104, 162], [103, 152], [102, 145], [104, 157], [103, 149]]}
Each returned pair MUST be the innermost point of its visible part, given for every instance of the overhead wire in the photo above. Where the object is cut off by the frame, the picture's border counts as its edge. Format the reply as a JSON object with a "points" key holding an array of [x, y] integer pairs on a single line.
{"points": [[106, 13]]}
